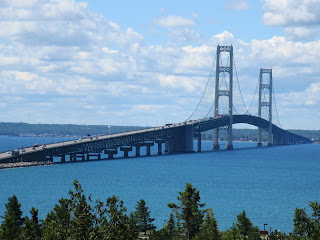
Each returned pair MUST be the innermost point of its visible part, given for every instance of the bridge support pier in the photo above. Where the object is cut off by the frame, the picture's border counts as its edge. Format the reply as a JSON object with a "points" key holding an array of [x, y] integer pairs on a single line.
{"points": [[73, 157], [148, 145], [63, 158], [216, 145], [110, 152], [159, 142], [198, 135], [168, 145], [183, 139], [126, 150], [138, 146]]}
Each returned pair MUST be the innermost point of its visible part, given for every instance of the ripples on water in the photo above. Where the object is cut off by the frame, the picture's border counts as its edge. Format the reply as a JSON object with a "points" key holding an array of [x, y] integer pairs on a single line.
{"points": [[269, 183]]}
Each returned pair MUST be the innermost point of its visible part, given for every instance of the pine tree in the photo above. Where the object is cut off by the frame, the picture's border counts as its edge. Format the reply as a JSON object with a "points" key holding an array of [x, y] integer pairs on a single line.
{"points": [[13, 220], [142, 217], [246, 227], [82, 217], [306, 226], [32, 228], [189, 211], [209, 229], [171, 225], [57, 222], [120, 226]]}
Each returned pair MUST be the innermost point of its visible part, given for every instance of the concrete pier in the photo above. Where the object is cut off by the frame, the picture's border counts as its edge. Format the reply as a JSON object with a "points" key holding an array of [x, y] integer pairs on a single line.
{"points": [[138, 146], [111, 152], [126, 150], [199, 141], [182, 140], [168, 145], [159, 142], [148, 145]]}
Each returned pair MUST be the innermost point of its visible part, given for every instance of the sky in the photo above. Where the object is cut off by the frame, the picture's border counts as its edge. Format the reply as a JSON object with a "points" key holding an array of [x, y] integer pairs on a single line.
{"points": [[147, 63]]}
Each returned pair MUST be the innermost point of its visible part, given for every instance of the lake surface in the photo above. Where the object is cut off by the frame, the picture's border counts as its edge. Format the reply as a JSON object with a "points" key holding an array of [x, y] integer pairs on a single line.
{"points": [[269, 183]]}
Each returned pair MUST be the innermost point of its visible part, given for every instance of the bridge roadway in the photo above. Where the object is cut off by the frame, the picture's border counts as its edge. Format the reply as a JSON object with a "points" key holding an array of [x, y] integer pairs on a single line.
{"points": [[177, 138]]}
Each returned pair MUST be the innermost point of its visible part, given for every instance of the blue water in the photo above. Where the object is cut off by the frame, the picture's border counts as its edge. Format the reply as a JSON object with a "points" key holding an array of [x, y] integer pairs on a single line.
{"points": [[269, 183]]}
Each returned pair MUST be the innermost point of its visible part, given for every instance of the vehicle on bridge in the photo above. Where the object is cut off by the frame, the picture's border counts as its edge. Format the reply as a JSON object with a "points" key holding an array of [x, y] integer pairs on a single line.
{"points": [[15, 152]]}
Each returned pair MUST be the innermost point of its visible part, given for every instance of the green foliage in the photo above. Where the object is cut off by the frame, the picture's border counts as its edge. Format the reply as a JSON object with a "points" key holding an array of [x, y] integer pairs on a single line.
{"points": [[232, 234], [142, 217], [301, 222], [78, 218], [11, 226], [209, 229], [57, 222], [243, 229], [74, 218], [307, 226], [81, 224], [32, 228], [244, 224], [120, 226], [188, 213]]}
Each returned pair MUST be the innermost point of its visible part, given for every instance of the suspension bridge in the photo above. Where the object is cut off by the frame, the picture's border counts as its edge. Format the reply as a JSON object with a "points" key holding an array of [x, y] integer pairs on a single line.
{"points": [[179, 137]]}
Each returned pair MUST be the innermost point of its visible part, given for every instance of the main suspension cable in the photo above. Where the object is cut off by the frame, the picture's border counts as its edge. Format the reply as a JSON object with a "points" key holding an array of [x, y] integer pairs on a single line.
{"points": [[275, 104], [253, 97], [234, 63], [204, 89]]}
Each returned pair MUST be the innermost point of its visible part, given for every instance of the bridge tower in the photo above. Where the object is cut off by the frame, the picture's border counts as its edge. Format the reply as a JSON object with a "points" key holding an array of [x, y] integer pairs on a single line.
{"points": [[227, 93], [265, 103]]}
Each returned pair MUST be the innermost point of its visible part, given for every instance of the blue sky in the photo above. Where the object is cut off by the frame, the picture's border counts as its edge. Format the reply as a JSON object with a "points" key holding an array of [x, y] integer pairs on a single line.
{"points": [[147, 62]]}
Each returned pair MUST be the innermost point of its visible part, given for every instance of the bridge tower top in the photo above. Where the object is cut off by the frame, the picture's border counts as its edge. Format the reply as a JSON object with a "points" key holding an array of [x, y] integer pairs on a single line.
{"points": [[225, 92]]}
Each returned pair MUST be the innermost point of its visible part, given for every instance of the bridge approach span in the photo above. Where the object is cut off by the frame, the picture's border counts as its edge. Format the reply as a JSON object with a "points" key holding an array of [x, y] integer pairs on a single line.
{"points": [[176, 137]]}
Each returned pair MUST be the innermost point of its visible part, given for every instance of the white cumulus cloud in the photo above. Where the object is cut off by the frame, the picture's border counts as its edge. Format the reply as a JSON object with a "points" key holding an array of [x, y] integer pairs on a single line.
{"points": [[300, 18], [59, 56]]}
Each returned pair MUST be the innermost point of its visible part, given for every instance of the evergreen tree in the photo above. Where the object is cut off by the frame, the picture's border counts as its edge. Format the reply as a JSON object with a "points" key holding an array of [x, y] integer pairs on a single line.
{"points": [[306, 226], [246, 227], [32, 228], [171, 226], [57, 222], [301, 222], [189, 211], [120, 226], [209, 229], [232, 234], [168, 232], [13, 220], [315, 220], [82, 217], [142, 217]]}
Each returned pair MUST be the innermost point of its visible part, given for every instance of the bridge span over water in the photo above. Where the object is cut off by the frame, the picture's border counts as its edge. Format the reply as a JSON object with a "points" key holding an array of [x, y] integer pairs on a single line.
{"points": [[173, 138], [176, 138]]}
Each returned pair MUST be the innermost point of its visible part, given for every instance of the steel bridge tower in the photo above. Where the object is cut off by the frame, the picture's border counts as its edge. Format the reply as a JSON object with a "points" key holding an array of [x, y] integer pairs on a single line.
{"points": [[227, 93], [265, 103]]}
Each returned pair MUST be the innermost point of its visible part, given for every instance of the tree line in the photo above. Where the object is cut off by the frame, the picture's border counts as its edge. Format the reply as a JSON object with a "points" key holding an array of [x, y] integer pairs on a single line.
{"points": [[79, 217]]}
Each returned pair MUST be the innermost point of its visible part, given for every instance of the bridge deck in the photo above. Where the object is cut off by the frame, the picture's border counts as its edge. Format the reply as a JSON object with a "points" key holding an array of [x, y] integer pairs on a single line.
{"points": [[99, 143]]}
